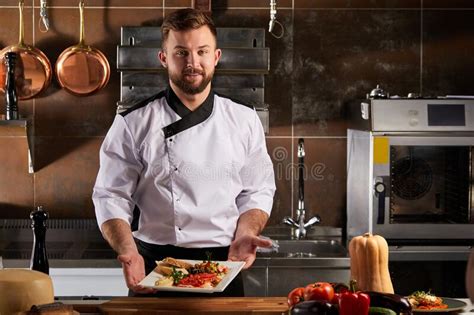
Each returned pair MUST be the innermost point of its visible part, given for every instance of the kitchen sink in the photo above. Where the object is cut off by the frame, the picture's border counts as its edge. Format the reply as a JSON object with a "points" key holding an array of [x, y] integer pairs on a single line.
{"points": [[306, 248], [316, 247]]}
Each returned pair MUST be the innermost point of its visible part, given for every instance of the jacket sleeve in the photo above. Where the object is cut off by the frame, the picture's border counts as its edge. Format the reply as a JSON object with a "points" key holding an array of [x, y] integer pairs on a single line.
{"points": [[119, 171], [257, 174]]}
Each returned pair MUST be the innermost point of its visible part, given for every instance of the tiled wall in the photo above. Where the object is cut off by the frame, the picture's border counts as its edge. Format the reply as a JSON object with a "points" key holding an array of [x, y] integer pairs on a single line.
{"points": [[332, 51]]}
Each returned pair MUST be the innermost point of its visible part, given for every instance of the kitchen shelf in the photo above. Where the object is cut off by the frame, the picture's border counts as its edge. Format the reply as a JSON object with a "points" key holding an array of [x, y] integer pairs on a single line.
{"points": [[18, 128]]}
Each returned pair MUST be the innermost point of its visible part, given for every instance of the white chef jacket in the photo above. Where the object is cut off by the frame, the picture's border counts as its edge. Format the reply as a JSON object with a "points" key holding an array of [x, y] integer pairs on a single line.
{"points": [[190, 173]]}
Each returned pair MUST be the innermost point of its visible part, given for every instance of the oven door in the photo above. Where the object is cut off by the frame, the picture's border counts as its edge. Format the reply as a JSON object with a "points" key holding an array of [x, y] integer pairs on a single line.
{"points": [[422, 187]]}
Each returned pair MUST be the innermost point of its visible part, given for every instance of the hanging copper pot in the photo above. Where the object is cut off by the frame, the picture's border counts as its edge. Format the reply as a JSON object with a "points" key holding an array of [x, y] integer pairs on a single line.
{"points": [[82, 70], [33, 69]]}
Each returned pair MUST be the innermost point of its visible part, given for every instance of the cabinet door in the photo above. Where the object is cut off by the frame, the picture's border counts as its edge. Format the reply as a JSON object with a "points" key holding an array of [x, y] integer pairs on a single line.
{"points": [[255, 281], [79, 282]]}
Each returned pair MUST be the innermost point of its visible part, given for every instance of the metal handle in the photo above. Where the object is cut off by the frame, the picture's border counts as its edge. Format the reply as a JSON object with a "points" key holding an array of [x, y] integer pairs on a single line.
{"points": [[289, 221], [312, 221], [380, 193], [81, 30], [21, 36]]}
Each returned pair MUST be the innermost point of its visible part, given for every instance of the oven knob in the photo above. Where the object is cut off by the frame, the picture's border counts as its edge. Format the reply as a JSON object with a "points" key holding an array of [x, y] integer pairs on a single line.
{"points": [[379, 187]]}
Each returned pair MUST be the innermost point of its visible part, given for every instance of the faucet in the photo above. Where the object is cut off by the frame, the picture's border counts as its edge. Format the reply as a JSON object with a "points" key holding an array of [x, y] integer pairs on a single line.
{"points": [[300, 224]]}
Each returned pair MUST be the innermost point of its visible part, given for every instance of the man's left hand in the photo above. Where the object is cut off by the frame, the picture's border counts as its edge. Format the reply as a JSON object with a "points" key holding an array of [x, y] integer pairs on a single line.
{"points": [[244, 248]]}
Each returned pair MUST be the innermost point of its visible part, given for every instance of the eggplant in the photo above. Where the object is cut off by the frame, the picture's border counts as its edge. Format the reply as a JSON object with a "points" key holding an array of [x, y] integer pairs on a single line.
{"points": [[314, 307], [395, 302]]}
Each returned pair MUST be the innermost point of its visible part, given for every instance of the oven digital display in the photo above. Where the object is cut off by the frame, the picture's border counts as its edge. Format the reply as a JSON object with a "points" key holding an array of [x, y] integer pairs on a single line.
{"points": [[446, 115]]}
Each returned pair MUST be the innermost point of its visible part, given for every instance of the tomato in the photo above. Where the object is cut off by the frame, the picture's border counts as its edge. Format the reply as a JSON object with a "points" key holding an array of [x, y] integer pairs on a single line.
{"points": [[295, 296], [322, 291]]}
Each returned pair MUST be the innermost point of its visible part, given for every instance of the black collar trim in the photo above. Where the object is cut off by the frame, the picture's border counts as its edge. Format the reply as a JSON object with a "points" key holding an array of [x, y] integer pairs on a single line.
{"points": [[175, 103], [143, 103], [189, 119]]}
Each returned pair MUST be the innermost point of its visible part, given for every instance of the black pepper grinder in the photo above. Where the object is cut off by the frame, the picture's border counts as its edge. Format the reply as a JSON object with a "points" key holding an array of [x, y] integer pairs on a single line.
{"points": [[11, 98], [39, 259]]}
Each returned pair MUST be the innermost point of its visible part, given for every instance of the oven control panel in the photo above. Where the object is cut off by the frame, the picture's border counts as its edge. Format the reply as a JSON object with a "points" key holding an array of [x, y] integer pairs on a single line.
{"points": [[419, 114]]}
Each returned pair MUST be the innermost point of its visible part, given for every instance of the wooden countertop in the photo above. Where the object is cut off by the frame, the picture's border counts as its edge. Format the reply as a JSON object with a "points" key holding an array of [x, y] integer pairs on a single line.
{"points": [[215, 306]]}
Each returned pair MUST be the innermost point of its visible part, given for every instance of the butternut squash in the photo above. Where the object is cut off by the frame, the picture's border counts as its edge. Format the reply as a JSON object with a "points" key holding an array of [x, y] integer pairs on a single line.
{"points": [[369, 263]]}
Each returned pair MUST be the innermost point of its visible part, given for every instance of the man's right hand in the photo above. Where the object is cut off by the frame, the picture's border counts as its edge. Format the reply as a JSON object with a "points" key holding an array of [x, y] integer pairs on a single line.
{"points": [[133, 267]]}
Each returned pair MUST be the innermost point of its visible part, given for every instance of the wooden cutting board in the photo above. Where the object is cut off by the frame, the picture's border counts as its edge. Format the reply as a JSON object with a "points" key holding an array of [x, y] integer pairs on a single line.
{"points": [[214, 306]]}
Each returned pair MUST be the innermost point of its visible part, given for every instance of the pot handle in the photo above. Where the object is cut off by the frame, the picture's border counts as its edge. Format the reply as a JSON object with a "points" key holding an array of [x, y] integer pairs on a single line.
{"points": [[81, 27], [21, 36]]}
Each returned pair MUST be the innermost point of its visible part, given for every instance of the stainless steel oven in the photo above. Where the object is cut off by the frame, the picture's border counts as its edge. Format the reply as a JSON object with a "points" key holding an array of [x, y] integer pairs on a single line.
{"points": [[409, 170]]}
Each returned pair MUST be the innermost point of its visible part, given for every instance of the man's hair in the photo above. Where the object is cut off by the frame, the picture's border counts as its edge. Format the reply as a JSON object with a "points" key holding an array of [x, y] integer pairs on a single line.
{"points": [[185, 20]]}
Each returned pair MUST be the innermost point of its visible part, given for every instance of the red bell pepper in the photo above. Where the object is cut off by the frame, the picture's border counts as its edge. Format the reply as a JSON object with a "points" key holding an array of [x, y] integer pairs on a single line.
{"points": [[339, 288], [353, 303]]}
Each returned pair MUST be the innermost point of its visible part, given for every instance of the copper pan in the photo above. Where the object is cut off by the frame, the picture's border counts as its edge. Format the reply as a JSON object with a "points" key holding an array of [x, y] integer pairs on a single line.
{"points": [[82, 70], [33, 69]]}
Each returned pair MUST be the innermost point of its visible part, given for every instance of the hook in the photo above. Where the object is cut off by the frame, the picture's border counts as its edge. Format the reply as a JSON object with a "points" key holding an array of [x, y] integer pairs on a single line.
{"points": [[282, 30], [273, 20], [44, 17]]}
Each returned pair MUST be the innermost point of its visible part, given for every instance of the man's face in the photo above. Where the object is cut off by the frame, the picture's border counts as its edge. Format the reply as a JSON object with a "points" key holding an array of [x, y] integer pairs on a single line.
{"points": [[190, 57]]}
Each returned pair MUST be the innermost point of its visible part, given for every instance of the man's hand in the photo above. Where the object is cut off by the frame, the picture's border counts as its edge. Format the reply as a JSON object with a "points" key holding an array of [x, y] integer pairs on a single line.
{"points": [[133, 267], [244, 248], [118, 234]]}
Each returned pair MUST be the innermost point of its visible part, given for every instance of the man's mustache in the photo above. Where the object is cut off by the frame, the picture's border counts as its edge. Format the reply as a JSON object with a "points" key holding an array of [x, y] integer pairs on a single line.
{"points": [[190, 70]]}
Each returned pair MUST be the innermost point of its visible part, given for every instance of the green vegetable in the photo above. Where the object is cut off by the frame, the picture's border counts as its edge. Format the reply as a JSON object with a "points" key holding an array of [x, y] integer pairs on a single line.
{"points": [[177, 275], [380, 311]]}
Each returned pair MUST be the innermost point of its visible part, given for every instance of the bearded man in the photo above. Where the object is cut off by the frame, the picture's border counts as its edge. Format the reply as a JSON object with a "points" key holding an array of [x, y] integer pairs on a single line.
{"points": [[190, 167]]}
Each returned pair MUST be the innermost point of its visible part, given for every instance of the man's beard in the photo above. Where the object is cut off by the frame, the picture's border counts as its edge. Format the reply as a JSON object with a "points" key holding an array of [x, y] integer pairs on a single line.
{"points": [[188, 88]]}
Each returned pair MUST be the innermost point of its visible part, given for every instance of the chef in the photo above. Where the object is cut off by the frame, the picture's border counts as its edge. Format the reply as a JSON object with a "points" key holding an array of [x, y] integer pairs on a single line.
{"points": [[186, 172]]}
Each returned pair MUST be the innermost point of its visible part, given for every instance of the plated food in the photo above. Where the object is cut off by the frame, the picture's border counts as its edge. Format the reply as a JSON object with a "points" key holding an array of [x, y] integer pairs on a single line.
{"points": [[426, 301], [205, 276]]}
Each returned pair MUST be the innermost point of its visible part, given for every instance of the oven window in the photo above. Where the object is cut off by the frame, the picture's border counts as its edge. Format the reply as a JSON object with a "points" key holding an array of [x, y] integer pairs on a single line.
{"points": [[430, 184]]}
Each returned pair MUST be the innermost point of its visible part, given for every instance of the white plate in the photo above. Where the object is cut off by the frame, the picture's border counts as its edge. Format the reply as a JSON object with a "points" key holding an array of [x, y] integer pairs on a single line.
{"points": [[233, 266]]}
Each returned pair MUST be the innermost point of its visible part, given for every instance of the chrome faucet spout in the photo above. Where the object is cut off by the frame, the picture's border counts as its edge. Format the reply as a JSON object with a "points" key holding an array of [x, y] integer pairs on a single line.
{"points": [[300, 225], [301, 154]]}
